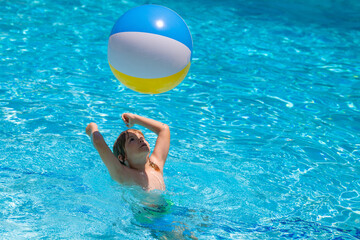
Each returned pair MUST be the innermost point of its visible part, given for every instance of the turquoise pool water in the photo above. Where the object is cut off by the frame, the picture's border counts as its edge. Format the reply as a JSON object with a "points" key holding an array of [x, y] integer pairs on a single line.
{"points": [[265, 128]]}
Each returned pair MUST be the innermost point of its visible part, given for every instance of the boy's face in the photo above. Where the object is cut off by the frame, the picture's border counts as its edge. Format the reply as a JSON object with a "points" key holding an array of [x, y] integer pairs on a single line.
{"points": [[136, 146]]}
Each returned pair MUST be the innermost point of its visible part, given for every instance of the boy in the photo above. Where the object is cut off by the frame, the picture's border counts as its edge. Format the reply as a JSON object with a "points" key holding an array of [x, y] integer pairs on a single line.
{"points": [[130, 162]]}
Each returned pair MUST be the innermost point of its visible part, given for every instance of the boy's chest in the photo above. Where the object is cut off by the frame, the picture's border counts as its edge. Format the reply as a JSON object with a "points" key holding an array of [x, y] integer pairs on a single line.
{"points": [[155, 181]]}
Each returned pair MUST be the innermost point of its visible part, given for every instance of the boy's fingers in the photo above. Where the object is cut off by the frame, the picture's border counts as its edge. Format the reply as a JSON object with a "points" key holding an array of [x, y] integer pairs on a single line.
{"points": [[123, 118]]}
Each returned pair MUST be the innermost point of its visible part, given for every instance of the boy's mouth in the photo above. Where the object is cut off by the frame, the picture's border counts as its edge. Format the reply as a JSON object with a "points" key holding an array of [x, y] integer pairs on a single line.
{"points": [[143, 145]]}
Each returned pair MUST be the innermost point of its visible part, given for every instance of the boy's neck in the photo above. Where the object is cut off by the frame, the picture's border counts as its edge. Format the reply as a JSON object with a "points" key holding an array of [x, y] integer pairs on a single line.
{"points": [[141, 167]]}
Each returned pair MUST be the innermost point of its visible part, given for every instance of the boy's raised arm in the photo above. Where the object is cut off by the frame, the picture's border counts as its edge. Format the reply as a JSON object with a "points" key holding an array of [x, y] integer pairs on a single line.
{"points": [[117, 171]]}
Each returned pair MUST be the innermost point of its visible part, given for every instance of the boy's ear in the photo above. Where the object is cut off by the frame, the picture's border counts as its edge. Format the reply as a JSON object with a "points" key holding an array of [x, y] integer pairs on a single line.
{"points": [[122, 160]]}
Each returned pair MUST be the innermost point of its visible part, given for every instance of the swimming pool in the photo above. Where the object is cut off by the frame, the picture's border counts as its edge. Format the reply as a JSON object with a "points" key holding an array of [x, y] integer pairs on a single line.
{"points": [[265, 128]]}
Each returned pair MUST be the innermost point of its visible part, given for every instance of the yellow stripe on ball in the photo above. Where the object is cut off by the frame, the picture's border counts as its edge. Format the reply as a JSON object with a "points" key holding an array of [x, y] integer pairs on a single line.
{"points": [[151, 85]]}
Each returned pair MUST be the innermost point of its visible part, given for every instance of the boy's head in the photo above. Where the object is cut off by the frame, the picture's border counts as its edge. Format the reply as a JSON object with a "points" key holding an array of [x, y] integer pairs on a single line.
{"points": [[131, 147]]}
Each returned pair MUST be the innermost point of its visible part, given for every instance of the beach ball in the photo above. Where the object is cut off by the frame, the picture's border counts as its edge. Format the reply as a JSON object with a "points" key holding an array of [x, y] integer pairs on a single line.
{"points": [[149, 49]]}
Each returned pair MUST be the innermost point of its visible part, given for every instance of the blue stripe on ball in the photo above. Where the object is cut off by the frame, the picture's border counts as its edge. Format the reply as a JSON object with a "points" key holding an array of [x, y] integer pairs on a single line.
{"points": [[154, 19]]}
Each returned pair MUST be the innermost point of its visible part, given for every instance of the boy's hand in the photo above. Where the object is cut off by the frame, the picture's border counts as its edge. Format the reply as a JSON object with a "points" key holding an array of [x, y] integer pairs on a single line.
{"points": [[129, 119], [91, 127]]}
